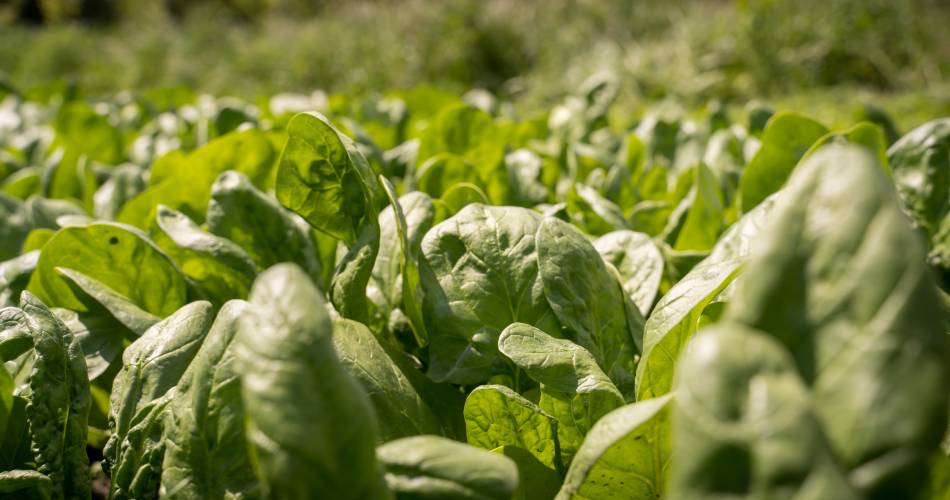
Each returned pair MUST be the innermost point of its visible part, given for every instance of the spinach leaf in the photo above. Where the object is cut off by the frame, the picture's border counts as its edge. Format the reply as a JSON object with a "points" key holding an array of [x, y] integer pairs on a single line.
{"points": [[574, 389], [120, 257], [842, 283], [625, 455], [498, 416], [639, 262], [206, 454], [307, 418], [430, 467], [401, 411]]}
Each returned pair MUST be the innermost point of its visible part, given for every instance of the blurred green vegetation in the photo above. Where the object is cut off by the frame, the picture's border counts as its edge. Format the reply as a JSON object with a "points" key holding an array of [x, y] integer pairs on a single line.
{"points": [[886, 52]]}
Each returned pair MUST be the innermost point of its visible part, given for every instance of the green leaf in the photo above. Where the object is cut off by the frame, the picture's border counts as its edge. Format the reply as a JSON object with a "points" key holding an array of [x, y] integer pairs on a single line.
{"points": [[574, 389], [498, 416], [480, 275], [676, 316], [921, 164], [639, 262], [254, 221], [401, 411], [120, 308], [324, 178], [221, 269], [786, 138], [206, 454], [306, 417], [185, 184], [151, 366], [120, 257], [588, 300], [462, 194], [625, 455], [704, 213], [743, 424], [81, 130], [396, 280], [841, 281], [442, 172], [59, 403], [349, 284], [430, 468]]}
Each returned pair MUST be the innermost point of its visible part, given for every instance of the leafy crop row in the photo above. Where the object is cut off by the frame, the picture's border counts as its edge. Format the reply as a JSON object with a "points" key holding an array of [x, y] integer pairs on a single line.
{"points": [[428, 297]]}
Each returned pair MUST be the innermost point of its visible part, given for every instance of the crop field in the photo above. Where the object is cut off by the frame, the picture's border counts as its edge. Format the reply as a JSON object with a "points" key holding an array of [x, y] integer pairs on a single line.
{"points": [[485, 287]]}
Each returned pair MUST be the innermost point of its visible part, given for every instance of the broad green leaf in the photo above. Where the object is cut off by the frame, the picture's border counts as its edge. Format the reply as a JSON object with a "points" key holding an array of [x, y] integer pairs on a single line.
{"points": [[444, 171], [119, 257], [841, 282], [676, 316], [703, 215], [269, 233], [307, 418], [324, 178], [480, 275], [59, 402], [401, 411], [348, 287], [639, 262], [36, 239], [743, 425], [921, 164], [81, 130], [396, 281], [120, 308], [151, 367], [185, 185], [462, 194], [100, 337], [498, 416], [864, 134], [206, 454], [574, 389], [625, 455], [786, 138], [431, 468], [463, 131], [588, 300], [216, 265]]}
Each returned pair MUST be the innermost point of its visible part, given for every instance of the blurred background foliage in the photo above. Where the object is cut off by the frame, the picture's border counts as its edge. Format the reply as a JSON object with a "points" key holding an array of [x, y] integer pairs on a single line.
{"points": [[892, 53]]}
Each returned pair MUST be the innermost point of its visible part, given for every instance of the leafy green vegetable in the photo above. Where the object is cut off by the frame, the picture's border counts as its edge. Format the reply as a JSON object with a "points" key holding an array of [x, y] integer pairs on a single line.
{"points": [[205, 447], [323, 177], [625, 455], [307, 418], [786, 138], [830, 274], [429, 467], [498, 416], [120, 257]]}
